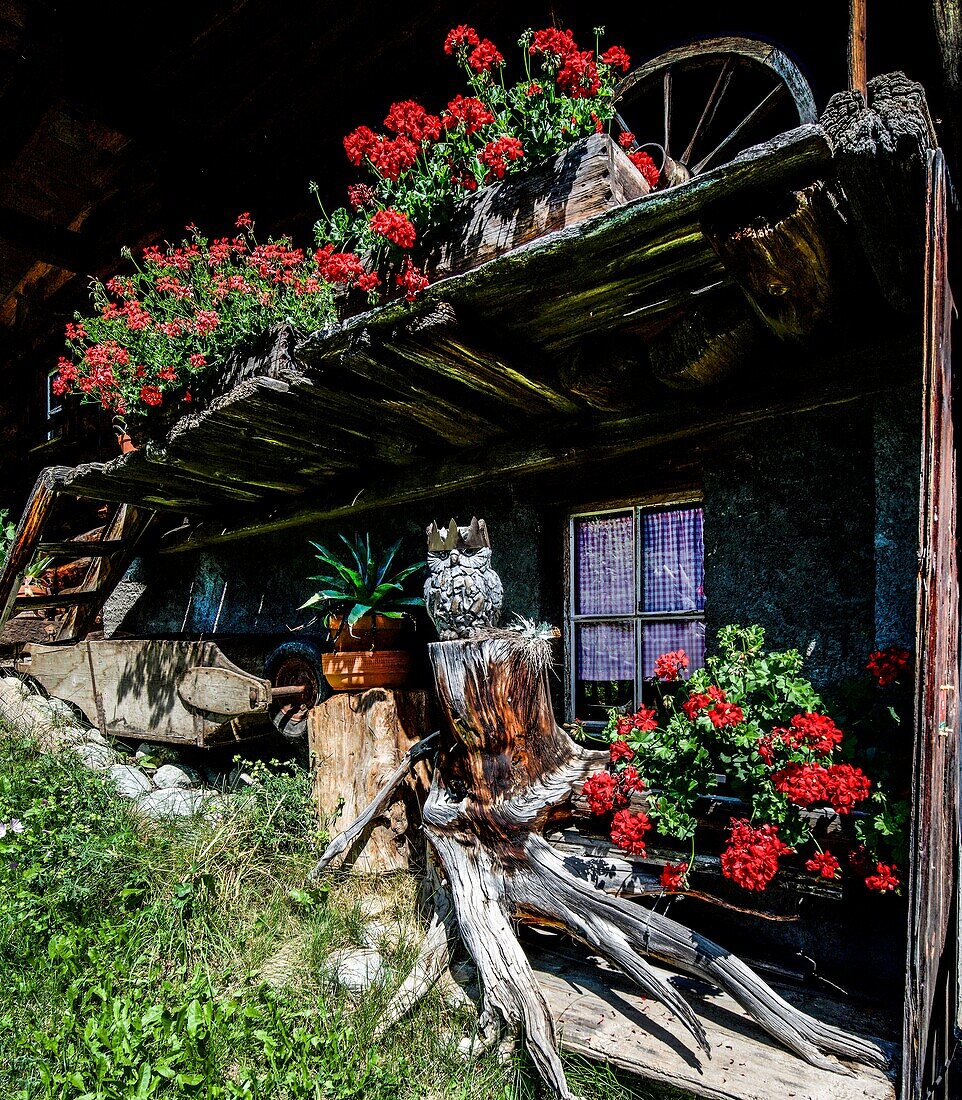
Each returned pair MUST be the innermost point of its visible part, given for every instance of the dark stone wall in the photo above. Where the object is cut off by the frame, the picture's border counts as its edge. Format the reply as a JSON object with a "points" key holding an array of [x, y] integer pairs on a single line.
{"points": [[789, 533]]}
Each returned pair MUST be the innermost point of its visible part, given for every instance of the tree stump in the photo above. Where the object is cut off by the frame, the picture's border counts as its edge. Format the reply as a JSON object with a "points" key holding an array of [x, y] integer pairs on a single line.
{"points": [[357, 739], [506, 771]]}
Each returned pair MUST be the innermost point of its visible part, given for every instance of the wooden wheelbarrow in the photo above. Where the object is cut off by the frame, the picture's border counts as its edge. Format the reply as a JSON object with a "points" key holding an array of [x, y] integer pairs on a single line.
{"points": [[186, 693]]}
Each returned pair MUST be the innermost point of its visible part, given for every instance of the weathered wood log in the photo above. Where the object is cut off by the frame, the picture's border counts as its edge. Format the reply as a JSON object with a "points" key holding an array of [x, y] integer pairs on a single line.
{"points": [[880, 157], [359, 743], [607, 373], [785, 259], [708, 344], [508, 771]]}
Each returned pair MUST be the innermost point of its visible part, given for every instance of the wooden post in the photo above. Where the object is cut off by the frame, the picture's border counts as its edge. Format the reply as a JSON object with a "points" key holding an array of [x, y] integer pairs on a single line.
{"points": [[857, 68], [356, 740]]}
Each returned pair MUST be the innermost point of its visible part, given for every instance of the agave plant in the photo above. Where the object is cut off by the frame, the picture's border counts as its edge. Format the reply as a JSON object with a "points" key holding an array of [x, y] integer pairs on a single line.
{"points": [[361, 580]]}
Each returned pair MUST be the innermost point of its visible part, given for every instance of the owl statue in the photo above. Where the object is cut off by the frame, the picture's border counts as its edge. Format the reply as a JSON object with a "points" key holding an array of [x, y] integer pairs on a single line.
{"points": [[462, 593]]}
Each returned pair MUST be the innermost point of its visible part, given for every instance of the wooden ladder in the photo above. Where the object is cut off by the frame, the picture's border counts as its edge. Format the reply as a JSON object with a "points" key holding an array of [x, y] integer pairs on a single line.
{"points": [[110, 556]]}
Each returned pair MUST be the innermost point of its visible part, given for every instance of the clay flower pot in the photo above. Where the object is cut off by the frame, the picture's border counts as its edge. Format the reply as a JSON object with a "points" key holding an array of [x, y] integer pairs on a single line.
{"points": [[367, 655]]}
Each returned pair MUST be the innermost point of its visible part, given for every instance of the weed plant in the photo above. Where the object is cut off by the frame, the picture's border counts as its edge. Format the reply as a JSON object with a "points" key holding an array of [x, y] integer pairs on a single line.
{"points": [[137, 957]]}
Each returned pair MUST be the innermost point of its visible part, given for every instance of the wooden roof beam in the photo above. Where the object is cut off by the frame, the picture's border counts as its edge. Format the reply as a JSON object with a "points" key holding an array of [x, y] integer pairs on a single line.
{"points": [[848, 376], [50, 244]]}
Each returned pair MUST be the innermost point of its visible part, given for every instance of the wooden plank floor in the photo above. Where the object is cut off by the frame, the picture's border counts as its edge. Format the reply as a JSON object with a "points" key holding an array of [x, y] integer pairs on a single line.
{"points": [[600, 1015]]}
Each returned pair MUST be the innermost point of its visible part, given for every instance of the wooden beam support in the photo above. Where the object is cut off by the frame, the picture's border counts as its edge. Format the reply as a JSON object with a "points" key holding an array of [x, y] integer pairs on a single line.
{"points": [[49, 244], [857, 68], [787, 259], [708, 343], [880, 157]]}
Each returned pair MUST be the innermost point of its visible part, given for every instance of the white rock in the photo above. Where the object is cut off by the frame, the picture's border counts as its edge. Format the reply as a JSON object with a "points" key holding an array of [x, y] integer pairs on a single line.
{"points": [[14, 683], [96, 757], [387, 935], [129, 780], [171, 802], [63, 710], [356, 969], [239, 779], [171, 775]]}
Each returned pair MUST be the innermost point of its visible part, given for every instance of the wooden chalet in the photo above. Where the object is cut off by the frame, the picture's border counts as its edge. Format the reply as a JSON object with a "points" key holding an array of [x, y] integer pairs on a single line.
{"points": [[765, 349]]}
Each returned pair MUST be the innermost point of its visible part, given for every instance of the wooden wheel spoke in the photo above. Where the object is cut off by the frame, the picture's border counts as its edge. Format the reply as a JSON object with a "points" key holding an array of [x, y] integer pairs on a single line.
{"points": [[666, 86], [758, 111], [711, 107]]}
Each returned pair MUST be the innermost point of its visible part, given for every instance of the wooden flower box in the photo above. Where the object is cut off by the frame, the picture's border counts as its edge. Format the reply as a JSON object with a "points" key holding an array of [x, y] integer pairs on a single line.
{"points": [[591, 176]]}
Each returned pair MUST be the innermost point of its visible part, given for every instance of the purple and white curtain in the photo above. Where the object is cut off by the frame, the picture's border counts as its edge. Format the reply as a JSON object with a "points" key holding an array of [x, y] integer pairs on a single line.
{"points": [[672, 579]]}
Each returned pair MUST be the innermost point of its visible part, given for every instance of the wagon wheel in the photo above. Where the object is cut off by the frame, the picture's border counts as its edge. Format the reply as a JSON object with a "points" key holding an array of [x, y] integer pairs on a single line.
{"points": [[700, 105]]}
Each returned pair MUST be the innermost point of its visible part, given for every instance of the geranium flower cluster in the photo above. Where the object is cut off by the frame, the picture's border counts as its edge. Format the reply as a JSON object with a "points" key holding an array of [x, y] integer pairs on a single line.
{"points": [[888, 664], [751, 856], [184, 310], [730, 719], [185, 307], [423, 161]]}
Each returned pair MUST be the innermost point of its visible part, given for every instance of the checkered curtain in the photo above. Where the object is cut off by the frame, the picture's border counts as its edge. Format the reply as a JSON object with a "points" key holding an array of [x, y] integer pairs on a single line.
{"points": [[673, 550], [605, 561], [673, 580]]}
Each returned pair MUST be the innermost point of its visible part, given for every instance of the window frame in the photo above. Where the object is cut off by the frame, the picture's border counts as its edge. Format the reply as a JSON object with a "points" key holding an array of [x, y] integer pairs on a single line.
{"points": [[638, 507]]}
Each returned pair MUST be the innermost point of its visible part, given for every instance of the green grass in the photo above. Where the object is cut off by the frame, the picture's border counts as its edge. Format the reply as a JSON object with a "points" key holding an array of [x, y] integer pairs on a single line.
{"points": [[133, 956]]}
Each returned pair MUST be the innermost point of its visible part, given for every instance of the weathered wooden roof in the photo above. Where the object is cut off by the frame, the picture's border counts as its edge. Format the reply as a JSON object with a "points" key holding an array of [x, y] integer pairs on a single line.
{"points": [[553, 353]]}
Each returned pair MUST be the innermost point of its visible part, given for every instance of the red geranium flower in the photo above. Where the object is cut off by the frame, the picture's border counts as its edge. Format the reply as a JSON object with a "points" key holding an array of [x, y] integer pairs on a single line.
{"points": [[642, 721], [554, 45], [884, 879], [460, 38], [395, 226], [824, 864], [630, 781], [359, 143], [628, 830], [412, 120], [674, 876], [725, 714], [751, 858], [469, 111], [484, 56], [669, 665], [151, 395], [617, 58], [621, 750], [495, 155], [601, 791], [646, 166], [886, 665], [360, 195], [412, 279]]}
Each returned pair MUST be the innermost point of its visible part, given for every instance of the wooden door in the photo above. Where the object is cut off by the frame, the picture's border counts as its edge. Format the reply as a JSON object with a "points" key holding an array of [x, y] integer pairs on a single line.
{"points": [[931, 977]]}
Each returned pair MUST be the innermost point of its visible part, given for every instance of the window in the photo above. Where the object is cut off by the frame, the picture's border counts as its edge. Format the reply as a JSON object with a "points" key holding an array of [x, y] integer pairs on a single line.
{"points": [[54, 407], [636, 590]]}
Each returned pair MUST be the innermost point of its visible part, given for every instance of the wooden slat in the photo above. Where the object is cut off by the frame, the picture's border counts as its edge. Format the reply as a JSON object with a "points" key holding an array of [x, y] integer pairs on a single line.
{"points": [[934, 874], [61, 599], [78, 550], [599, 1015], [28, 535], [128, 525]]}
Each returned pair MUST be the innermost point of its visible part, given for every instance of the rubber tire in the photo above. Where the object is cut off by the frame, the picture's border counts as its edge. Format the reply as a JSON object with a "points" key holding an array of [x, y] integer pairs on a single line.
{"points": [[309, 652]]}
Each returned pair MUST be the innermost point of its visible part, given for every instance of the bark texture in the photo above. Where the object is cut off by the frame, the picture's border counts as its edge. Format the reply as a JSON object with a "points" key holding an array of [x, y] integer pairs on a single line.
{"points": [[507, 772]]}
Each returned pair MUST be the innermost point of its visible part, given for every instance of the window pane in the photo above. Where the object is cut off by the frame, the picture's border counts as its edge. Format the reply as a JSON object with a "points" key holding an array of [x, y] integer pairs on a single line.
{"points": [[674, 556], [658, 638], [604, 668], [605, 565]]}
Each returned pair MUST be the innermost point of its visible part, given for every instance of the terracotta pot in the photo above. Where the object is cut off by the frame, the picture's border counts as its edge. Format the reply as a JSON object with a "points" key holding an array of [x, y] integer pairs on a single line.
{"points": [[357, 671], [370, 633]]}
